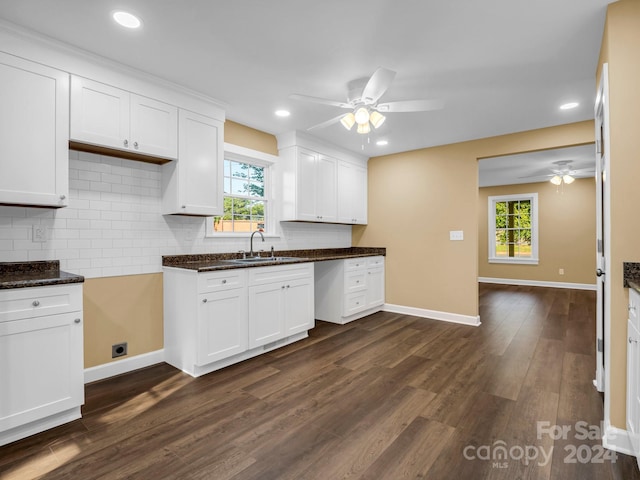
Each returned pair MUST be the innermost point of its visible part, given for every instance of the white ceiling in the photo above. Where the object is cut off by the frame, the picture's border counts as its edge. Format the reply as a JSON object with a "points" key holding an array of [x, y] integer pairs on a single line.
{"points": [[537, 166], [501, 66]]}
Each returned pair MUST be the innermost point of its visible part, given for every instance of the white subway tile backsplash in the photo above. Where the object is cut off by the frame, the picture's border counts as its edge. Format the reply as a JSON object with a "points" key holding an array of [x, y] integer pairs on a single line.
{"points": [[114, 224]]}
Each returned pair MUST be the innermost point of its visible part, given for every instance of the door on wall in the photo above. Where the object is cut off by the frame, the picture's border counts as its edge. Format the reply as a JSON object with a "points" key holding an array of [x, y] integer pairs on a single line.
{"points": [[603, 248]]}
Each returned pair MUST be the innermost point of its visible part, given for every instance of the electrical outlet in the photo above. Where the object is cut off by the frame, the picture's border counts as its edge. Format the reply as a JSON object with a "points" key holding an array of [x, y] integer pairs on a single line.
{"points": [[456, 235], [561, 271], [118, 350], [39, 233]]}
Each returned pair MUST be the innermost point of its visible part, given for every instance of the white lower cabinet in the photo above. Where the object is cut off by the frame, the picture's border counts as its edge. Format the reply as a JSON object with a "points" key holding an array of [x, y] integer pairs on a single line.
{"points": [[633, 372], [214, 319], [346, 290], [41, 360], [280, 302]]}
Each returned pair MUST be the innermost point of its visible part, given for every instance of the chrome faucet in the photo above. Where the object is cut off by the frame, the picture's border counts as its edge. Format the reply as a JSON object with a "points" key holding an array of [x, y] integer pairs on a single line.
{"points": [[251, 242]]}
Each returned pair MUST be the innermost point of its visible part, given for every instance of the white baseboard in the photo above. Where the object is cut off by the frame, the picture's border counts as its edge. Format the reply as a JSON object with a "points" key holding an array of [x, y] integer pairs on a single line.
{"points": [[617, 439], [433, 314], [125, 365], [537, 283]]}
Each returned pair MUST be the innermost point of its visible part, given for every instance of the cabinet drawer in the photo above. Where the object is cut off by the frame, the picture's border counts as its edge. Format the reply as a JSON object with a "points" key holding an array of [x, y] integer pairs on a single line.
{"points": [[375, 261], [352, 264], [277, 273], [354, 303], [19, 303], [355, 281], [218, 281]]}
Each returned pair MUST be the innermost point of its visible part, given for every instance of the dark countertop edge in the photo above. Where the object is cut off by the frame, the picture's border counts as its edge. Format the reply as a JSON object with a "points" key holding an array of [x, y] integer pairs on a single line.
{"points": [[631, 274], [63, 278], [306, 256]]}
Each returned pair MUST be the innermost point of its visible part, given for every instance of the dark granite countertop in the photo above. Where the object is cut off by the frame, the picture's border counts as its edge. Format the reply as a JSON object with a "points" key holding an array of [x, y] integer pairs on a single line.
{"points": [[631, 275], [216, 261], [35, 274]]}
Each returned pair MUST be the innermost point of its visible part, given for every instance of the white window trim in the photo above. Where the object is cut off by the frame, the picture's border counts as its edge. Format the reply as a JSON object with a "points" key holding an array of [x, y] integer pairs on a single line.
{"points": [[255, 157], [533, 197]]}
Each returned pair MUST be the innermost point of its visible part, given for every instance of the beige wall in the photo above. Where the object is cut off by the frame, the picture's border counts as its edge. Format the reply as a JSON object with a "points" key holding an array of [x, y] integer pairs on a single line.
{"points": [[129, 308], [566, 231], [620, 47], [122, 309], [432, 191]]}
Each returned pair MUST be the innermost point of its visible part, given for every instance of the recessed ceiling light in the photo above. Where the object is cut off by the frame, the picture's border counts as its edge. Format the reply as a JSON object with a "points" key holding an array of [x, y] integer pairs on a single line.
{"points": [[382, 143], [569, 106], [126, 19], [283, 113]]}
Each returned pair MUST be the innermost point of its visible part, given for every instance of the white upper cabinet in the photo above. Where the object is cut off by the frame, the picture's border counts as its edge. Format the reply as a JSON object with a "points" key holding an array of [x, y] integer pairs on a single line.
{"points": [[193, 184], [352, 193], [34, 133], [311, 193], [320, 183], [109, 117]]}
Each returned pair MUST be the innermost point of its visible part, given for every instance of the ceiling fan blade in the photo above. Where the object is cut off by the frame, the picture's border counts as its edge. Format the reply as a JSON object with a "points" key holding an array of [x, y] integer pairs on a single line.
{"points": [[377, 85], [411, 106], [327, 123], [322, 101]]}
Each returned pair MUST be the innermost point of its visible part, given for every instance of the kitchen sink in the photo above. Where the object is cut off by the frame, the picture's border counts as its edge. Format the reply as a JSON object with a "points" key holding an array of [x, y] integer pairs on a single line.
{"points": [[258, 260]]}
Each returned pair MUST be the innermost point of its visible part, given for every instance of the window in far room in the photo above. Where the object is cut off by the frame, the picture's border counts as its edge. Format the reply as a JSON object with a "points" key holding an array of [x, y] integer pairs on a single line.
{"points": [[513, 229]]}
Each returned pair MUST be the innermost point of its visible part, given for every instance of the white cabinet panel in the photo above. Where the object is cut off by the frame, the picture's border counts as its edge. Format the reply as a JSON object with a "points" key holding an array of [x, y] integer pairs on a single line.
{"points": [[193, 184], [633, 373], [110, 117], [375, 287], [305, 190], [43, 369], [352, 193], [326, 188], [298, 301], [266, 310], [154, 127], [34, 133], [222, 325], [99, 114]]}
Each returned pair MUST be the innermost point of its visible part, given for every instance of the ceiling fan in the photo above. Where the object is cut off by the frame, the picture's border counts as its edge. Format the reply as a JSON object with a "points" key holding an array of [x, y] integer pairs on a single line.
{"points": [[563, 174], [363, 101]]}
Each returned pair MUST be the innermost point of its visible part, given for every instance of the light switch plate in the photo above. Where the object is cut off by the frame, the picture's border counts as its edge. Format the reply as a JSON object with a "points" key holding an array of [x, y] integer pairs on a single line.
{"points": [[456, 235]]}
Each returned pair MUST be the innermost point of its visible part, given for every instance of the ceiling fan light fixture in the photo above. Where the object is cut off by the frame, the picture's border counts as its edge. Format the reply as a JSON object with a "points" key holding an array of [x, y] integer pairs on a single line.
{"points": [[567, 179], [556, 180], [376, 119], [348, 121], [362, 116], [364, 128]]}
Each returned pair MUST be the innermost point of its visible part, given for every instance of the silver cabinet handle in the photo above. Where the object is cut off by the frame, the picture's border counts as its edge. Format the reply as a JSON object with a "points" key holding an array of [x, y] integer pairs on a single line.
{"points": [[126, 142], [135, 145], [204, 300], [631, 307], [77, 320], [631, 340], [288, 286], [282, 287], [224, 281], [35, 303], [62, 197]]}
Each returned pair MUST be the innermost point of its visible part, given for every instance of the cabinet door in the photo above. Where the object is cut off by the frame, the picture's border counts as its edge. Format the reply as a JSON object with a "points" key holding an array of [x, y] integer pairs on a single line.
{"points": [[99, 114], [306, 186], [326, 196], [222, 325], [266, 320], [352, 193], [199, 170], [34, 133], [633, 386], [375, 287], [299, 306], [41, 368], [154, 127]]}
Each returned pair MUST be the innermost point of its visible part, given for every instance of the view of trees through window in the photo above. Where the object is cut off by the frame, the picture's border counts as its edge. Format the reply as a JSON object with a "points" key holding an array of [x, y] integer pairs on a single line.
{"points": [[244, 198], [513, 228]]}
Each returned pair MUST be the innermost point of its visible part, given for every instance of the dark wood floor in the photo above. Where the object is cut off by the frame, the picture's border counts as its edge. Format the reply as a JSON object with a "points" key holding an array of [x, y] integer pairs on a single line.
{"points": [[387, 397]]}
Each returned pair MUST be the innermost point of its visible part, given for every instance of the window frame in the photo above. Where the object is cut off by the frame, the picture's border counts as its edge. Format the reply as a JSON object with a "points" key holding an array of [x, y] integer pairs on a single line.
{"points": [[237, 153], [492, 257]]}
